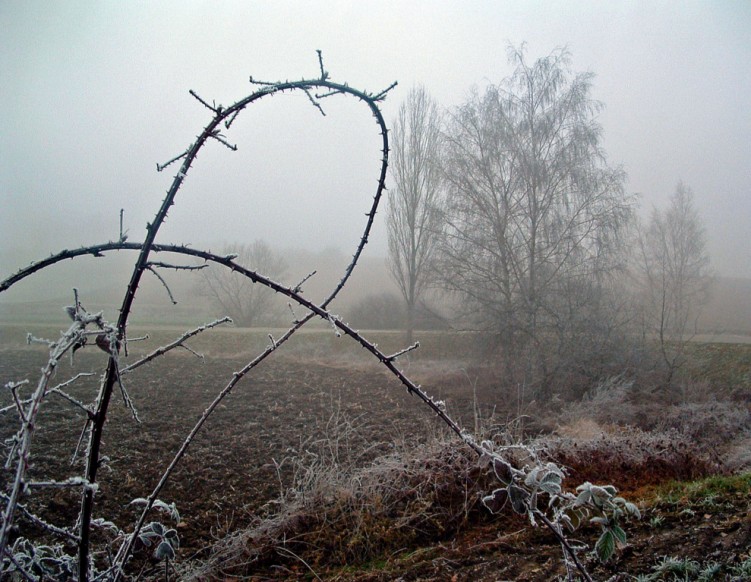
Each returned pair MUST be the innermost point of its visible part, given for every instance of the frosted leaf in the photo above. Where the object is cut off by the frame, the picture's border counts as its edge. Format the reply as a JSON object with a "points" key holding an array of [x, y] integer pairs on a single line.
{"points": [[496, 501], [502, 471]]}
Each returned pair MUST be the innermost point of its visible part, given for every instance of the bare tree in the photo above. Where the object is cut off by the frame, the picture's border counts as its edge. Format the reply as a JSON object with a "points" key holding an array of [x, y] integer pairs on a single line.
{"points": [[534, 213], [413, 218], [675, 273], [245, 302]]}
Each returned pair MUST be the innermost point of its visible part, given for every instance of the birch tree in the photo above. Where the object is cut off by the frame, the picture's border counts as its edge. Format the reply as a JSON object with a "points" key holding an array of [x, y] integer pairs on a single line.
{"points": [[535, 215], [675, 269], [413, 218]]}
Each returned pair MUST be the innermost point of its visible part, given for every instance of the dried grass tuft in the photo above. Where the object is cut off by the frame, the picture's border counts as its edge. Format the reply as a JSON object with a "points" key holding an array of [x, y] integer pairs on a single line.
{"points": [[423, 492]]}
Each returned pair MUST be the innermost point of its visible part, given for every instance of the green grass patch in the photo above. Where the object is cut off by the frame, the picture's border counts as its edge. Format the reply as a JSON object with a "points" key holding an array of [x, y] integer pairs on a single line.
{"points": [[697, 492], [723, 366]]}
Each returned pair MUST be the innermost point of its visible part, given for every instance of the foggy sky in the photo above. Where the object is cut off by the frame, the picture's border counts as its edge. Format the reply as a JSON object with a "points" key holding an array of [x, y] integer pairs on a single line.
{"points": [[94, 94]]}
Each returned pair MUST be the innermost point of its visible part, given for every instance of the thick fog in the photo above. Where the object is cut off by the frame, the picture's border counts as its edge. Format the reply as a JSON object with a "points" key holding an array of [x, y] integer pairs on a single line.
{"points": [[95, 94]]}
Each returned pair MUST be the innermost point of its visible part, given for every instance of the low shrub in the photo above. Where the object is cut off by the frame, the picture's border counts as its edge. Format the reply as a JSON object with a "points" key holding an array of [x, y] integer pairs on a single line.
{"points": [[334, 515], [341, 516], [629, 457]]}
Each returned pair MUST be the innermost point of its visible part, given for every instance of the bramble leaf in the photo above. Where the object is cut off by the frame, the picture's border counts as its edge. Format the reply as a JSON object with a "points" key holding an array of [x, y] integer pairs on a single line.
{"points": [[502, 471], [605, 546], [518, 497], [551, 483], [531, 478], [164, 550], [619, 534], [583, 498], [632, 509], [496, 501]]}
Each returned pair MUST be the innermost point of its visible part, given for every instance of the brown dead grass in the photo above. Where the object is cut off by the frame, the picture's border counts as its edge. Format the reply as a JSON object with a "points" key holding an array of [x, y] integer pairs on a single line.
{"points": [[430, 494]]}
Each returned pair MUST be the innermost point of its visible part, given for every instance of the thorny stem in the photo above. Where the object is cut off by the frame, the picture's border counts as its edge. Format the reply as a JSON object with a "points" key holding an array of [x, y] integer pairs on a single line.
{"points": [[175, 344], [58, 349], [43, 524], [151, 268], [565, 545], [112, 375]]}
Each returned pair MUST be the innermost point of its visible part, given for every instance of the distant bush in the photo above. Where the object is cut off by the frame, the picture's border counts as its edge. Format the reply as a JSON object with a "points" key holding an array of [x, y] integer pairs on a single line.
{"points": [[381, 311], [387, 311], [616, 401]]}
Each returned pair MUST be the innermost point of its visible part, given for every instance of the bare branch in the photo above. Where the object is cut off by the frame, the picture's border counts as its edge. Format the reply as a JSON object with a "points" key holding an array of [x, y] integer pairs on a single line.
{"points": [[58, 390], [30, 339], [382, 95], [84, 431], [163, 282], [160, 167], [406, 350], [231, 120], [292, 311], [73, 401], [328, 94], [298, 288], [176, 268], [127, 400], [216, 110], [73, 482], [187, 348], [123, 234], [13, 387], [177, 343], [324, 73], [315, 103], [220, 138]]}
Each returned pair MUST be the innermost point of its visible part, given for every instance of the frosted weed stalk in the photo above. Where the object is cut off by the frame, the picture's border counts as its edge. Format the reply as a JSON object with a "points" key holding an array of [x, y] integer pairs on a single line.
{"points": [[524, 487]]}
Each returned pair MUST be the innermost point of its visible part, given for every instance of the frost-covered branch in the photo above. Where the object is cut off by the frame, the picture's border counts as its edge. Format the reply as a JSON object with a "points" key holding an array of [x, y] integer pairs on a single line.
{"points": [[221, 139], [59, 391], [112, 375], [35, 519], [179, 342], [17, 403], [150, 268], [20, 451], [406, 350], [177, 267], [160, 167], [213, 108]]}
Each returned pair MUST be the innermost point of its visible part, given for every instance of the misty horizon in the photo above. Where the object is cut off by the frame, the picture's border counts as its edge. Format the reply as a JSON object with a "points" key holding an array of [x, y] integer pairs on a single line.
{"points": [[95, 98]]}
